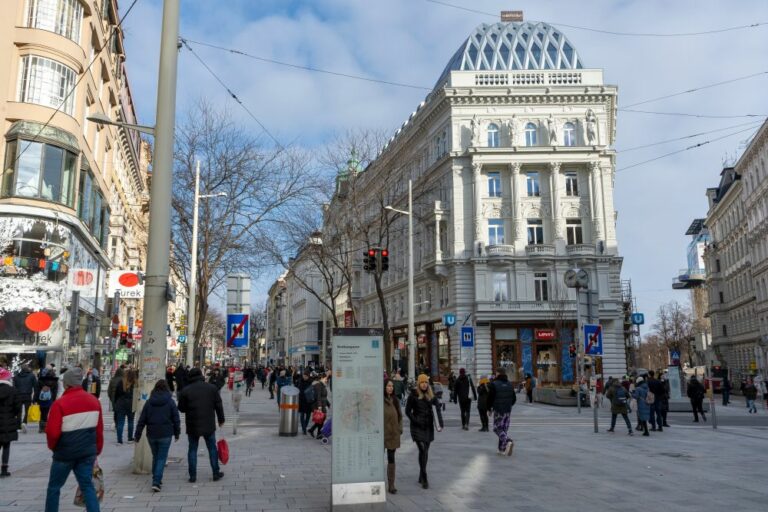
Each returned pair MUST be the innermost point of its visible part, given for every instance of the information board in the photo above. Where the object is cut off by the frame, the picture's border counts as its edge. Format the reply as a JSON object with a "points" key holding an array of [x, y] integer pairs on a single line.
{"points": [[358, 418]]}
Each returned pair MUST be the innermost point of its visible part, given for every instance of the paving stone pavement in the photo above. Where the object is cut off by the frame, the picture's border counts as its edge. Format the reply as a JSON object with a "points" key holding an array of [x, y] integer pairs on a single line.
{"points": [[558, 464]]}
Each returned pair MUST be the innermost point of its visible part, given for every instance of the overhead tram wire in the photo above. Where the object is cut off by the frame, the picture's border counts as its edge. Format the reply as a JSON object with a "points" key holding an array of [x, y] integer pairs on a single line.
{"points": [[709, 86], [685, 114], [659, 143], [232, 94], [80, 79], [700, 144], [612, 32], [308, 68]]}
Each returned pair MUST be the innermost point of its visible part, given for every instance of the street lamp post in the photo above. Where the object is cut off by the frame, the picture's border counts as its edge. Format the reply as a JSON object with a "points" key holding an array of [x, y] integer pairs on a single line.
{"points": [[411, 322], [192, 302]]}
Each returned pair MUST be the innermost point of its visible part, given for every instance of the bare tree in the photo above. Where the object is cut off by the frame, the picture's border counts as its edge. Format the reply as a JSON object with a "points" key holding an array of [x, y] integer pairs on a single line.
{"points": [[653, 353], [264, 187], [674, 328]]}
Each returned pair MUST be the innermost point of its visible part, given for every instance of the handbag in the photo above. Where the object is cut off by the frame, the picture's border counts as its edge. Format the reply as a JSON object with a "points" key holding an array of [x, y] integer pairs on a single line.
{"points": [[33, 414], [223, 448], [318, 417], [98, 484]]}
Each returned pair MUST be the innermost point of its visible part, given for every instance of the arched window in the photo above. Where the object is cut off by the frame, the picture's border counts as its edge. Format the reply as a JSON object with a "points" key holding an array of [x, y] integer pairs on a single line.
{"points": [[530, 134], [493, 135], [569, 134]]}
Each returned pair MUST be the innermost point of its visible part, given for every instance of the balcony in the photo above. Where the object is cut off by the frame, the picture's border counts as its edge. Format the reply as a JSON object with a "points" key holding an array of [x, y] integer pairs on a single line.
{"points": [[689, 278], [580, 250], [499, 251], [540, 254], [528, 306]]}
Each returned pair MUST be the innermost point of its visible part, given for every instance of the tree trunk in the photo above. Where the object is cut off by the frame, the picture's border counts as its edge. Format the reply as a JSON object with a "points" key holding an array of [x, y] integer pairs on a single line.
{"points": [[384, 322]]}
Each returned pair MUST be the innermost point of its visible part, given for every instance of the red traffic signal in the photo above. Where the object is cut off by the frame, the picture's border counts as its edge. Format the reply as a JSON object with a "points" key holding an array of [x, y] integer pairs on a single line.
{"points": [[384, 253], [371, 252]]}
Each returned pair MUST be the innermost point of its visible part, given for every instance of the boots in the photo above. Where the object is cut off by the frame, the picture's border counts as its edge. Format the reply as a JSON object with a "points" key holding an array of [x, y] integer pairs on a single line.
{"points": [[4, 471], [391, 478]]}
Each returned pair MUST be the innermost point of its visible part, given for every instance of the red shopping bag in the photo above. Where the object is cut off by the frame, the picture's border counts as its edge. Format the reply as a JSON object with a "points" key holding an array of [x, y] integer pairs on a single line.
{"points": [[223, 448]]}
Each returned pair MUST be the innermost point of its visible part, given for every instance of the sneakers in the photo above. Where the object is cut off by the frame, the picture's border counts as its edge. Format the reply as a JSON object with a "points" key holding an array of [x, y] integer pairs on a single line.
{"points": [[630, 433], [156, 487], [508, 449], [192, 479], [609, 430], [218, 476]]}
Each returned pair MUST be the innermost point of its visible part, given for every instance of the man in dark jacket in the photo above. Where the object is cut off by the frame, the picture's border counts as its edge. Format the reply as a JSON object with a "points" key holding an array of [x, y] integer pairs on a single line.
{"points": [[272, 382], [657, 388], [201, 404], [180, 376], [75, 434], [501, 398], [461, 388], [695, 394], [45, 393], [25, 383]]}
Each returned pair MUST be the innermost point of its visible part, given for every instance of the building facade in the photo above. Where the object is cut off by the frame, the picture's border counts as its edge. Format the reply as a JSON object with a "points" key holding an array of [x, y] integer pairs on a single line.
{"points": [[512, 166], [277, 322], [72, 193], [737, 261]]}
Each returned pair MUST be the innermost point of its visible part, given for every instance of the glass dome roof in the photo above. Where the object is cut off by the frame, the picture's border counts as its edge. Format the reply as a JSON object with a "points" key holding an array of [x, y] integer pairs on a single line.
{"points": [[512, 46]]}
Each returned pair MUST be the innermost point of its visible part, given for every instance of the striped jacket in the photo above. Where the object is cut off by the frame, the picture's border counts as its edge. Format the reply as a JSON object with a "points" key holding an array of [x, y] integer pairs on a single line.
{"points": [[75, 428]]}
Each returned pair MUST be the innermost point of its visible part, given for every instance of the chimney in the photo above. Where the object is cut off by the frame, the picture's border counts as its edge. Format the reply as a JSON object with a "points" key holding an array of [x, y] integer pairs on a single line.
{"points": [[507, 16]]}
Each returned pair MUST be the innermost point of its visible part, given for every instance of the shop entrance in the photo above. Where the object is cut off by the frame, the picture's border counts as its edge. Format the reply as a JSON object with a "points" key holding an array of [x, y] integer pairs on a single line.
{"points": [[546, 358]]}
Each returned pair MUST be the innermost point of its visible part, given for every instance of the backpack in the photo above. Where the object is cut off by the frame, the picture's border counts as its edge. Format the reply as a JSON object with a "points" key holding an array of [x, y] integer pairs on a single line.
{"points": [[45, 394], [620, 397], [650, 398], [309, 394]]}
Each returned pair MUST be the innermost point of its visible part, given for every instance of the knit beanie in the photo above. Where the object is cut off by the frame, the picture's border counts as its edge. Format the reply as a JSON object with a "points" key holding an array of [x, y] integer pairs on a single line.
{"points": [[5, 375], [423, 378], [73, 377]]}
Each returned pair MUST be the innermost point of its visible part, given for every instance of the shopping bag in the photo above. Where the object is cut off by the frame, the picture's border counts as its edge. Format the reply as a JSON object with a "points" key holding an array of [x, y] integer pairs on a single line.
{"points": [[33, 414], [98, 484], [318, 417], [223, 448]]}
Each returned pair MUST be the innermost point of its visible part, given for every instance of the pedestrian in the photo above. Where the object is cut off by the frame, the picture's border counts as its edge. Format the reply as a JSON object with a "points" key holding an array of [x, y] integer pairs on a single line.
{"points": [[421, 408], [161, 417], [180, 376], [249, 375], [599, 391], [393, 429], [25, 383], [695, 394], [530, 384], [169, 378], [272, 382], [451, 390], [307, 400], [282, 380], [399, 384], [726, 389], [75, 434], [201, 404], [116, 380], [124, 405], [461, 388], [750, 393], [482, 402], [92, 383], [618, 397], [657, 388], [664, 400], [501, 398], [45, 393], [321, 402], [10, 418], [645, 400]]}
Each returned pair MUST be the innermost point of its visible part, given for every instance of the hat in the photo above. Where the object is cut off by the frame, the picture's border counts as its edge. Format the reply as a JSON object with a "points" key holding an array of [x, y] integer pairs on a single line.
{"points": [[484, 379], [195, 372], [5, 374], [462, 371], [73, 377], [423, 378], [639, 380]]}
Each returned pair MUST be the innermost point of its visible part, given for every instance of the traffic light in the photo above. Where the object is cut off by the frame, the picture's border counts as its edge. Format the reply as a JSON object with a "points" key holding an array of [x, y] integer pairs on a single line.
{"points": [[372, 257], [366, 261], [384, 260]]}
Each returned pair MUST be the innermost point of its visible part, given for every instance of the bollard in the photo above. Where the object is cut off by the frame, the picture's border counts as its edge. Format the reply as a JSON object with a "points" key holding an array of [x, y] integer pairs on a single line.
{"points": [[289, 411]]}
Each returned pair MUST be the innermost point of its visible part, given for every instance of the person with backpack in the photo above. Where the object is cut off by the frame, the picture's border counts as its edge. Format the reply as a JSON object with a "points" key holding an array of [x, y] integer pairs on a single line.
{"points": [[307, 400], [501, 398], [320, 392], [645, 400], [124, 405], [10, 418], [25, 383], [695, 392], [45, 393], [750, 393], [618, 396], [161, 417], [482, 403], [656, 388], [461, 388], [282, 380]]}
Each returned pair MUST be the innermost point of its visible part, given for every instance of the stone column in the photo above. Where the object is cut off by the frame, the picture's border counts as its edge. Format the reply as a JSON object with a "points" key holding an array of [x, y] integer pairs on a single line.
{"points": [[597, 202], [606, 193], [516, 203], [478, 188], [438, 249], [554, 190]]}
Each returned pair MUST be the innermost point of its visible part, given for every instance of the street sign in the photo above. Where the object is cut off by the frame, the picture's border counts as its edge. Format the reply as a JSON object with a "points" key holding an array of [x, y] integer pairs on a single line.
{"points": [[237, 331], [674, 356], [182, 338], [593, 339], [638, 319], [449, 319], [467, 337]]}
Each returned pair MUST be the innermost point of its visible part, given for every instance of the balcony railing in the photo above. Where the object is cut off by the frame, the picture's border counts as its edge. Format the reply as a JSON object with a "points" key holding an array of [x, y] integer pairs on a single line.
{"points": [[526, 305], [538, 250], [500, 250], [580, 250], [692, 274]]}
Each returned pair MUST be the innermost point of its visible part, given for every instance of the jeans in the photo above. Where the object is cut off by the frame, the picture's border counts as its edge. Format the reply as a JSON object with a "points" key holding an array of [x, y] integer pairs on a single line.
{"points": [[159, 447], [696, 404], [726, 397], [120, 418], [304, 418], [6, 448], [210, 443], [751, 406], [626, 420], [83, 469], [656, 419], [25, 403], [465, 405]]}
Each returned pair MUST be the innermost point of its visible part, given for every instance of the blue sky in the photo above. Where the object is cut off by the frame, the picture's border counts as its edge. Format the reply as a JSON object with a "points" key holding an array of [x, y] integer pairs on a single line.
{"points": [[410, 41]]}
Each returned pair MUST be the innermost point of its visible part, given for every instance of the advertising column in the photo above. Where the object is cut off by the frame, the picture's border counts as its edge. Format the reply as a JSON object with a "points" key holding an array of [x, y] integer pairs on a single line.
{"points": [[358, 420]]}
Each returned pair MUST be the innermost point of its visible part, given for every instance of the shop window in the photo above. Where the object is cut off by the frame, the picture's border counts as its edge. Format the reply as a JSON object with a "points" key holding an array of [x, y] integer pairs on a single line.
{"points": [[546, 363], [40, 171], [37, 252], [507, 357]]}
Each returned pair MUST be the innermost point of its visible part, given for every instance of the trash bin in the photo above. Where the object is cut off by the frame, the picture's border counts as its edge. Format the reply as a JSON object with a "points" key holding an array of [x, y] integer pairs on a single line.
{"points": [[289, 411]]}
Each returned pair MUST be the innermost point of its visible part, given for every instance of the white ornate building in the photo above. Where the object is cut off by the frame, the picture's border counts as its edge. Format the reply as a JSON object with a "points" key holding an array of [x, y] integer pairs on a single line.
{"points": [[513, 168], [737, 261]]}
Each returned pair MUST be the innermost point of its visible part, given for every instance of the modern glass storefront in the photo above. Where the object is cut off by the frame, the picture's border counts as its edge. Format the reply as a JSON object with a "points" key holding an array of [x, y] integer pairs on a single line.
{"points": [[535, 349]]}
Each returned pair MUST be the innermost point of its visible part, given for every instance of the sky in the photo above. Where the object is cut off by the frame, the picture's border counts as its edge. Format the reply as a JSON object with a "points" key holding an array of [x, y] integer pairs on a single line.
{"points": [[411, 41]]}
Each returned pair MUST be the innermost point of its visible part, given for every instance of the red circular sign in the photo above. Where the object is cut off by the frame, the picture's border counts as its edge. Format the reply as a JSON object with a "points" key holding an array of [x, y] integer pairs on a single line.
{"points": [[38, 322], [128, 279]]}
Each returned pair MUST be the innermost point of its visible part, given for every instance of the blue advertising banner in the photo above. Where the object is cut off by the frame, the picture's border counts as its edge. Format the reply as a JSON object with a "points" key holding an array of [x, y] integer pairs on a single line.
{"points": [[566, 338], [526, 336]]}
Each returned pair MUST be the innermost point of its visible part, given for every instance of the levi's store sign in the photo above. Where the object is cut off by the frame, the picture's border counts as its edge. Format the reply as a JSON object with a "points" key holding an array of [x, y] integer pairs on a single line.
{"points": [[127, 282], [545, 334]]}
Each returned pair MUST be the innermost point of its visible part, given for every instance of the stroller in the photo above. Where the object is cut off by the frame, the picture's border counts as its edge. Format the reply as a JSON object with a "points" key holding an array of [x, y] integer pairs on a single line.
{"points": [[326, 431]]}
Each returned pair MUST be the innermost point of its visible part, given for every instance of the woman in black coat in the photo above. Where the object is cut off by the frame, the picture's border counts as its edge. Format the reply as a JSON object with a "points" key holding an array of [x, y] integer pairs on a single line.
{"points": [[482, 403], [10, 417], [124, 405], [419, 409], [161, 417]]}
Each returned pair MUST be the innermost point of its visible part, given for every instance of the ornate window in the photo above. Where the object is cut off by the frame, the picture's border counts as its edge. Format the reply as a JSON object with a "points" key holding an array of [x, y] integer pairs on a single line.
{"points": [[541, 286], [500, 287], [493, 135], [46, 82], [61, 16], [573, 231], [39, 170], [569, 134], [571, 184], [495, 231], [530, 135], [494, 184], [532, 184], [535, 232]]}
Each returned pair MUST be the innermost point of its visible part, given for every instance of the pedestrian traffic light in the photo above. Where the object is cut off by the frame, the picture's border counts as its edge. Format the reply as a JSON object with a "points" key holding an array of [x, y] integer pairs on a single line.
{"points": [[384, 260]]}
